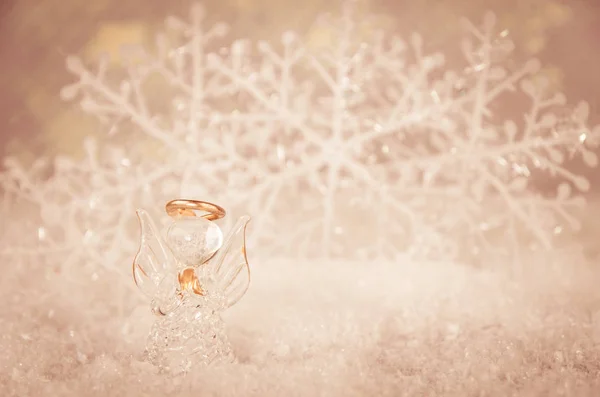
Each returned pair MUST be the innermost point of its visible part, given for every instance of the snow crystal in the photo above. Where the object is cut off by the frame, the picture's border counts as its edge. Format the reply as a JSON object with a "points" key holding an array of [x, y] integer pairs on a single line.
{"points": [[371, 148]]}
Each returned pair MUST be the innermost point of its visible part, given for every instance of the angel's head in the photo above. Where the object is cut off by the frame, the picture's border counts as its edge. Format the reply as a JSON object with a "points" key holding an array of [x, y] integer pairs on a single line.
{"points": [[193, 240]]}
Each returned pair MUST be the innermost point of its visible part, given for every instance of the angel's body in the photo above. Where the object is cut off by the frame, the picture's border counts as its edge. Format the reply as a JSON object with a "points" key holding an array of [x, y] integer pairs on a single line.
{"points": [[192, 333], [191, 279]]}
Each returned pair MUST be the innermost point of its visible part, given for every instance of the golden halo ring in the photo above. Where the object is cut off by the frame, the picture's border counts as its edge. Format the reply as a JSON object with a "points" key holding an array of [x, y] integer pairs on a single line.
{"points": [[184, 207]]}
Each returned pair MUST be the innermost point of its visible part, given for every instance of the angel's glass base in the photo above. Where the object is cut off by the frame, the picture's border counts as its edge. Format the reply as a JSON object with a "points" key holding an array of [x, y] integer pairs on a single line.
{"points": [[192, 335]]}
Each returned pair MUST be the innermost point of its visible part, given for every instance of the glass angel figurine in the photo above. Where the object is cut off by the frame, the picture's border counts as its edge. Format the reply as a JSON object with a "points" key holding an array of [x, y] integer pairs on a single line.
{"points": [[191, 276]]}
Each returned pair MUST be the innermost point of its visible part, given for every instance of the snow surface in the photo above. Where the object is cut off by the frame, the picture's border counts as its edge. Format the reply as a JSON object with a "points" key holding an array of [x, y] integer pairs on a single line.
{"points": [[330, 329]]}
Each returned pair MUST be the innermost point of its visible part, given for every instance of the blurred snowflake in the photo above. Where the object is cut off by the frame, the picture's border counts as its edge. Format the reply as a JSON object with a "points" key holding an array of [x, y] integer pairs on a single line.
{"points": [[364, 147]]}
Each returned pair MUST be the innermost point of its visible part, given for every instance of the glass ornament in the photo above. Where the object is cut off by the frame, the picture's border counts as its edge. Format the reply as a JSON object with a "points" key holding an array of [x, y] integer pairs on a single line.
{"points": [[190, 277]]}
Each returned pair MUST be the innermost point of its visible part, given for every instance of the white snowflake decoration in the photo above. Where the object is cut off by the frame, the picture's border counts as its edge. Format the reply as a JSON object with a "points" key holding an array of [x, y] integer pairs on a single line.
{"points": [[369, 149]]}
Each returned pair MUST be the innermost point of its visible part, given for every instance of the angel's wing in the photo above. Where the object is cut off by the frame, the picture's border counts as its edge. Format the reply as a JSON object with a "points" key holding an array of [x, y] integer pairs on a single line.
{"points": [[153, 260], [230, 265]]}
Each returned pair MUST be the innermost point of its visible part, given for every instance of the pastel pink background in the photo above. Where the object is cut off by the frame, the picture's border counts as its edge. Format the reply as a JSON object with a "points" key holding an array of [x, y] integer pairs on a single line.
{"points": [[28, 60]]}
